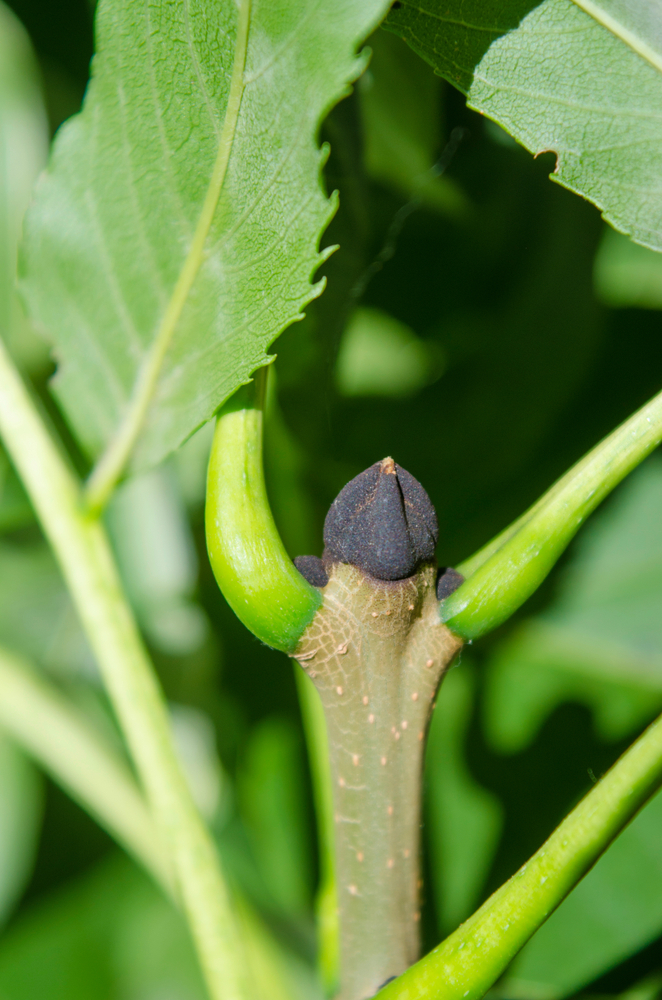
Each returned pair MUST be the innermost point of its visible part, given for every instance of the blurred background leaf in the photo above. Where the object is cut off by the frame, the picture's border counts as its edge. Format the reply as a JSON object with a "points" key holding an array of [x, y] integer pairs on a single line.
{"points": [[158, 561], [464, 819], [380, 356], [112, 935], [627, 274], [599, 642], [612, 913], [20, 821], [401, 114], [36, 614], [270, 790], [23, 150]]}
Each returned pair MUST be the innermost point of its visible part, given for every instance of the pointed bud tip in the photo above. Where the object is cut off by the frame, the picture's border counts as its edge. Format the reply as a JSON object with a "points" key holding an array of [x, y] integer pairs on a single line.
{"points": [[383, 522]]}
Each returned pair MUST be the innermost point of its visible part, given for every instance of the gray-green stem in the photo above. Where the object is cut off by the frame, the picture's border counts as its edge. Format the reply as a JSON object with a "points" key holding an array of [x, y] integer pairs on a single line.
{"points": [[376, 652], [82, 549]]}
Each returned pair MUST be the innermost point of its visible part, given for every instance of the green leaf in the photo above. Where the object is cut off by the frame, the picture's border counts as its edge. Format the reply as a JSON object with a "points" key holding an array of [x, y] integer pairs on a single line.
{"points": [[380, 356], [627, 274], [401, 115], [36, 614], [271, 797], [612, 913], [112, 934], [506, 571], [176, 232], [20, 820], [539, 668], [23, 148], [600, 642], [157, 560], [15, 509], [463, 818], [586, 86]]}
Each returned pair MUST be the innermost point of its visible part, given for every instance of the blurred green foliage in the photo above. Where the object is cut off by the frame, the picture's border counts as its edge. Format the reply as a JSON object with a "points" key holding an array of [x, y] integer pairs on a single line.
{"points": [[461, 332]]}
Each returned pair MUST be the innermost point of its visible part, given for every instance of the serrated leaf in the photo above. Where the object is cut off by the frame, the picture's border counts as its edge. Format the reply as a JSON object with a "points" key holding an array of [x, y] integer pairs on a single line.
{"points": [[175, 234], [587, 86]]}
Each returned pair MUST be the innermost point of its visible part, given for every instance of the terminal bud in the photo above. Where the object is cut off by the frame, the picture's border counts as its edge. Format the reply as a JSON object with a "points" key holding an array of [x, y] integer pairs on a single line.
{"points": [[383, 522]]}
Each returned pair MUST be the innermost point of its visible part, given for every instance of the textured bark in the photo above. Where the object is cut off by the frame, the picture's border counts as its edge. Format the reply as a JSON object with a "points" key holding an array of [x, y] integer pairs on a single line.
{"points": [[376, 652]]}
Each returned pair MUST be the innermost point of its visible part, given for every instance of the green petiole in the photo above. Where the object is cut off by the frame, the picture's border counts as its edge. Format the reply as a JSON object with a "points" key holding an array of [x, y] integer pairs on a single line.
{"points": [[252, 568], [503, 574]]}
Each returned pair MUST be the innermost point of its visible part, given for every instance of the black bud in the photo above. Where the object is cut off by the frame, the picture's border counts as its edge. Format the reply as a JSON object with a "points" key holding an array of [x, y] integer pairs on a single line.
{"points": [[382, 522], [448, 580], [312, 569]]}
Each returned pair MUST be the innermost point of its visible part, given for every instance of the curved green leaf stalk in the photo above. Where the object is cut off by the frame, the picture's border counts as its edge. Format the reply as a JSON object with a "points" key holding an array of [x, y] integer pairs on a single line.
{"points": [[83, 551], [376, 652], [252, 568], [503, 574], [468, 962]]}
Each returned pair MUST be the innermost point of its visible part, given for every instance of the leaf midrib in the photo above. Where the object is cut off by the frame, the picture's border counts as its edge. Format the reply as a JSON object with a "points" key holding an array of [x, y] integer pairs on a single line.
{"points": [[109, 468], [629, 38]]}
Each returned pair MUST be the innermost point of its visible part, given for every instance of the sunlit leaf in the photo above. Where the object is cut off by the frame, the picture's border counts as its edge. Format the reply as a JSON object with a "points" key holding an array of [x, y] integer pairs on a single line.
{"points": [[176, 232], [587, 86]]}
